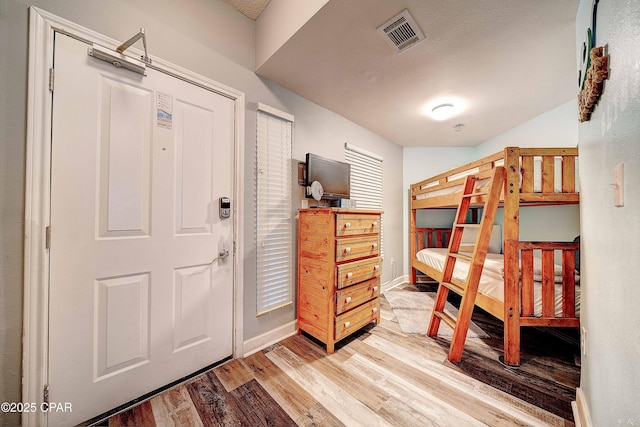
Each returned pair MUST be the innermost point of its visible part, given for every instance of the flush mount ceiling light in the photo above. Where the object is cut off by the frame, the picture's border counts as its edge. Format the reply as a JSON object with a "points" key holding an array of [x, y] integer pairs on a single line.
{"points": [[443, 112]]}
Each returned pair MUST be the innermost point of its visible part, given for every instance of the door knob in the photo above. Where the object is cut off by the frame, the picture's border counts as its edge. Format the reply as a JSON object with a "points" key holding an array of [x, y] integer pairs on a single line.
{"points": [[223, 254]]}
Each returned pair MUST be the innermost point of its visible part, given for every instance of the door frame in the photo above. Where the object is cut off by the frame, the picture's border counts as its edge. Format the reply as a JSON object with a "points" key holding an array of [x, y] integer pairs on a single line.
{"points": [[42, 28]]}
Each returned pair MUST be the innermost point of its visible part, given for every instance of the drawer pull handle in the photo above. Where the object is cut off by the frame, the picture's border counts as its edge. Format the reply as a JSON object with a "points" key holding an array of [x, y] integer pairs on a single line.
{"points": [[376, 267], [347, 300], [375, 288], [375, 309], [347, 324], [347, 249], [375, 245], [374, 224], [347, 224], [350, 275]]}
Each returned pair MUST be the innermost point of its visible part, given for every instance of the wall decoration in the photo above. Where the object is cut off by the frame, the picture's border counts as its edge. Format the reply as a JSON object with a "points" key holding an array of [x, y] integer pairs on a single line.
{"points": [[593, 73], [597, 72]]}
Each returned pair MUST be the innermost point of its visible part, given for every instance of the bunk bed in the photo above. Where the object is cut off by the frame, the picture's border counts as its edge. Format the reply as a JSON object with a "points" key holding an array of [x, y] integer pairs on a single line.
{"points": [[529, 283]]}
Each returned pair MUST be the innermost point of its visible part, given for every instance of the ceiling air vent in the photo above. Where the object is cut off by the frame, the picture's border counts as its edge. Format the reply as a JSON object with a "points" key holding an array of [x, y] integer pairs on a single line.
{"points": [[401, 31]]}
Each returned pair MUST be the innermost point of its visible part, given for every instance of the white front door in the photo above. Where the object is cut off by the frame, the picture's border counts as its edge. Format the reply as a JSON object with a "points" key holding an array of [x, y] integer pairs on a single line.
{"points": [[139, 294]]}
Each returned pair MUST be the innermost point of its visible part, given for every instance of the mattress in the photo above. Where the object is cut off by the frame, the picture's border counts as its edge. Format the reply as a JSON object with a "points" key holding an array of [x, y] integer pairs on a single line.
{"points": [[492, 278], [537, 180]]}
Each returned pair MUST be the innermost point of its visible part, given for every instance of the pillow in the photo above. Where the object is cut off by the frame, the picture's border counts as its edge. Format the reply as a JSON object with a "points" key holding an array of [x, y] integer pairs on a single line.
{"points": [[495, 242]]}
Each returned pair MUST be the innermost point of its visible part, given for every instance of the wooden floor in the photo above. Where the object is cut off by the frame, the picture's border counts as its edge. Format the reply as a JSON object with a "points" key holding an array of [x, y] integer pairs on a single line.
{"points": [[379, 376]]}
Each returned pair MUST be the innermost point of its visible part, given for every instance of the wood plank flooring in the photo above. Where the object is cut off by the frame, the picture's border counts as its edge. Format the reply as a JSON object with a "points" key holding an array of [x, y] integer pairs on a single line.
{"points": [[379, 376]]}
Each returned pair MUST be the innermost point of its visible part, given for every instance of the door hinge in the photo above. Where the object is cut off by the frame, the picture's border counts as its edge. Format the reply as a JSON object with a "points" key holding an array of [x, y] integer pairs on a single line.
{"points": [[45, 396], [47, 237], [50, 79]]}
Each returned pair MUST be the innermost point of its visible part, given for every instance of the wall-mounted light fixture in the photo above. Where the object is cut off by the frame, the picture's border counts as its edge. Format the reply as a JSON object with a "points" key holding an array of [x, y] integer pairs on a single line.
{"points": [[442, 112]]}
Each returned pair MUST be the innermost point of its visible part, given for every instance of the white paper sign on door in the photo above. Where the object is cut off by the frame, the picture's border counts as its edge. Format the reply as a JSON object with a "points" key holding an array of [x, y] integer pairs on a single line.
{"points": [[164, 110]]}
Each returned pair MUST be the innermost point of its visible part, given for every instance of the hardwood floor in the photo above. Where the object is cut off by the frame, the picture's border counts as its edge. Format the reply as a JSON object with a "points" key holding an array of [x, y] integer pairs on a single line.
{"points": [[379, 376]]}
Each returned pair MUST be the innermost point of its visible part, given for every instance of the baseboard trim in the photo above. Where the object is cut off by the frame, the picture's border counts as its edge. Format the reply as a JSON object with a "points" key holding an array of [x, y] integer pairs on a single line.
{"points": [[256, 344], [395, 282], [581, 410]]}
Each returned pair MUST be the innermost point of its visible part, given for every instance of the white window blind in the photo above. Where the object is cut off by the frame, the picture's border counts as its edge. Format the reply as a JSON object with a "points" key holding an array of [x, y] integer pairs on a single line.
{"points": [[366, 181], [274, 233]]}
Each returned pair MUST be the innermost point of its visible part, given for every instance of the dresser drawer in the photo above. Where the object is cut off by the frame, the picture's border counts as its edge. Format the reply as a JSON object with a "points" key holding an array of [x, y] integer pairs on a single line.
{"points": [[351, 248], [353, 296], [354, 319], [357, 271], [354, 224], [338, 274]]}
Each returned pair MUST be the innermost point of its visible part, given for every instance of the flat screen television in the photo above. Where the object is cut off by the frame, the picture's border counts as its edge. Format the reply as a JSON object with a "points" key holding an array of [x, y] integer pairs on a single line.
{"points": [[334, 176]]}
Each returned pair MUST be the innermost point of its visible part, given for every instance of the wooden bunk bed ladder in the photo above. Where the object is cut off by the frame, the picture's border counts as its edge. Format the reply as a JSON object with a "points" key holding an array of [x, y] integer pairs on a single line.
{"points": [[488, 199]]}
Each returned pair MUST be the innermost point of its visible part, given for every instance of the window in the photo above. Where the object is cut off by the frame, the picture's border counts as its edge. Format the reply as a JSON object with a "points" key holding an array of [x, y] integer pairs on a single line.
{"points": [[274, 233], [366, 181]]}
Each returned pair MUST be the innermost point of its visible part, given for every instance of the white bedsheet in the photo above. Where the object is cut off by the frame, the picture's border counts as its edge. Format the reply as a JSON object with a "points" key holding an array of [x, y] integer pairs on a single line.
{"points": [[492, 278]]}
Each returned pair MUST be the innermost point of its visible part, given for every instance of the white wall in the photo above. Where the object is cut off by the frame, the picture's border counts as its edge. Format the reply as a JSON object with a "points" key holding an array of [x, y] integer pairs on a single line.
{"points": [[555, 128], [610, 376], [208, 37]]}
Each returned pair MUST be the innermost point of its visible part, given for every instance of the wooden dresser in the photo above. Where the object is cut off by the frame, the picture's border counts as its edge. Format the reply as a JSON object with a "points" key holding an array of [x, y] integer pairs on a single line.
{"points": [[338, 272]]}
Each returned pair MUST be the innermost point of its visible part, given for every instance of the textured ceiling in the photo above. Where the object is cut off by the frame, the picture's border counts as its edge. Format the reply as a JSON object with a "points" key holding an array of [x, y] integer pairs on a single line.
{"points": [[251, 8], [502, 61]]}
